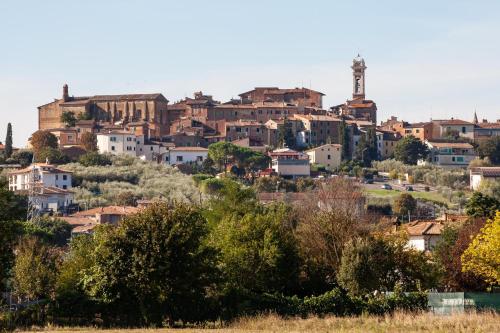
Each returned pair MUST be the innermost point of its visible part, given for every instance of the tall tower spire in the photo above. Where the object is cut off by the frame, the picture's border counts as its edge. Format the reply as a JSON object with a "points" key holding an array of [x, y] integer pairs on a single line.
{"points": [[475, 117], [358, 78]]}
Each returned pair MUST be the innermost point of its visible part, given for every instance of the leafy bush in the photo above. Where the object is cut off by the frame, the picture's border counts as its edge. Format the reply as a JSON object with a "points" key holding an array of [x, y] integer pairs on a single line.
{"points": [[94, 159]]}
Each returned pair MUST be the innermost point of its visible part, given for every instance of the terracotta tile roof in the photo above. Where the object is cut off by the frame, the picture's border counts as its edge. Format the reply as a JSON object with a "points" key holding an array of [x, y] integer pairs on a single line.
{"points": [[112, 210], [452, 122], [421, 228], [489, 125], [487, 171], [126, 97], [324, 146], [278, 91], [243, 123], [459, 145], [188, 149], [360, 105], [52, 169]]}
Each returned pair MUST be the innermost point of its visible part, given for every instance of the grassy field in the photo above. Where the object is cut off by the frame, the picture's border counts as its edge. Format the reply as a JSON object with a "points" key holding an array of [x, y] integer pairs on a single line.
{"points": [[434, 196], [400, 322]]}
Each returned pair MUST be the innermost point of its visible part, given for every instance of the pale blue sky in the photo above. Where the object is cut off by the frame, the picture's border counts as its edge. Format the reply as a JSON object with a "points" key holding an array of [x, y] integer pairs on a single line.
{"points": [[425, 58]]}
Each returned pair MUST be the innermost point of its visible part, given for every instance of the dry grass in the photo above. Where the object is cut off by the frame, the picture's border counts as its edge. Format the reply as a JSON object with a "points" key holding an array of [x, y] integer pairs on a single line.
{"points": [[400, 322]]}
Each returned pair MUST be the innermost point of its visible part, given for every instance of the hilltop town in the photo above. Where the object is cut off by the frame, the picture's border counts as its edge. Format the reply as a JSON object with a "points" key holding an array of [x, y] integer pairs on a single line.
{"points": [[147, 211]]}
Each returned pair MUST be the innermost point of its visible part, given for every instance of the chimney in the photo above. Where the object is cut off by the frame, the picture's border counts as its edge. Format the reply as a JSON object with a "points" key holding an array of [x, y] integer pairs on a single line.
{"points": [[65, 96], [485, 121]]}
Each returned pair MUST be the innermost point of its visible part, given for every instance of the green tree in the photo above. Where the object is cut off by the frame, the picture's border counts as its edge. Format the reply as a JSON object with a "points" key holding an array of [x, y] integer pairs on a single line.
{"points": [[77, 261], [258, 252], [383, 264], [8, 142], [405, 204], [68, 118], [344, 139], [154, 262], [52, 155], [43, 139], [221, 153], [52, 231], [480, 205], [490, 148], [366, 151], [94, 159], [89, 141], [286, 136], [447, 253], [410, 149], [12, 209], [35, 269], [482, 257], [23, 157]]}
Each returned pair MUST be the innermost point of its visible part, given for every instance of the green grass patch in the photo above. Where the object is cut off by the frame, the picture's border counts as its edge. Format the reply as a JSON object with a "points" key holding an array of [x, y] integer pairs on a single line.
{"points": [[432, 196]]}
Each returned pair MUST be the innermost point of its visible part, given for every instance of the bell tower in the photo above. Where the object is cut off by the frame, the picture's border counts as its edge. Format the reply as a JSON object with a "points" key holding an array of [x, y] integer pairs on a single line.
{"points": [[358, 78], [65, 95]]}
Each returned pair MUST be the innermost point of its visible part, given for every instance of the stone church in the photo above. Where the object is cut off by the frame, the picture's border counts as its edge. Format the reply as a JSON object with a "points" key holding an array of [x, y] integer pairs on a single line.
{"points": [[115, 109]]}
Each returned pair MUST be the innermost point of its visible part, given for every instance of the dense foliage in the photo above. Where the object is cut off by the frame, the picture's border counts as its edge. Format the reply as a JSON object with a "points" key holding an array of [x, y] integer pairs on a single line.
{"points": [[410, 149]]}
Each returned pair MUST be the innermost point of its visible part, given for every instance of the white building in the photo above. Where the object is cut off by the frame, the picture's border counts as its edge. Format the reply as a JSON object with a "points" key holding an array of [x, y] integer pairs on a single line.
{"points": [[477, 175], [329, 155], [449, 154], [424, 235], [185, 155], [290, 163], [53, 199], [117, 142], [45, 175]]}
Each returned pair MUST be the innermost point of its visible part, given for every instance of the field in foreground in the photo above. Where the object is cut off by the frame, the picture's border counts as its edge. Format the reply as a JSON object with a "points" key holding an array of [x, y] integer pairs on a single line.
{"points": [[472, 322]]}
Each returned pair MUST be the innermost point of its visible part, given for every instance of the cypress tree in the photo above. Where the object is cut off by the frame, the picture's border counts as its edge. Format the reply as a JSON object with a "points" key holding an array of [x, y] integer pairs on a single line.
{"points": [[8, 142], [344, 139]]}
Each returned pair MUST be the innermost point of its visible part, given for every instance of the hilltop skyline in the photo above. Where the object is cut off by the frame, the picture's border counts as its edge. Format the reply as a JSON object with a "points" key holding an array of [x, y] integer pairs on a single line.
{"points": [[424, 60]]}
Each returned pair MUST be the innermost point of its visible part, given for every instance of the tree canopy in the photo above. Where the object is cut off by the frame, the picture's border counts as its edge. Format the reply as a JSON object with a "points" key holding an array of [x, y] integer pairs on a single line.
{"points": [[68, 118], [42, 139], [410, 149], [482, 257], [490, 148]]}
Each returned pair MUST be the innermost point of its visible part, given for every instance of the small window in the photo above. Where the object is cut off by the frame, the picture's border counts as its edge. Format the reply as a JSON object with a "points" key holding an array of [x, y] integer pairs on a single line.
{"points": [[112, 148], [65, 177], [166, 158], [57, 177], [65, 187], [112, 139], [328, 157], [179, 158], [199, 158], [464, 130]]}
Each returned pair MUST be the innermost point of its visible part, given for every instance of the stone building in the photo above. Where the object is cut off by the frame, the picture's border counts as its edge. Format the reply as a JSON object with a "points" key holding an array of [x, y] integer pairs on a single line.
{"points": [[151, 108], [300, 97]]}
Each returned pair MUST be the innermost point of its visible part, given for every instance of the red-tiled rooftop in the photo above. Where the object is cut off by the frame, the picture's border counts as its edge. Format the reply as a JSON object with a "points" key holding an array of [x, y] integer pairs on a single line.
{"points": [[421, 228], [112, 210]]}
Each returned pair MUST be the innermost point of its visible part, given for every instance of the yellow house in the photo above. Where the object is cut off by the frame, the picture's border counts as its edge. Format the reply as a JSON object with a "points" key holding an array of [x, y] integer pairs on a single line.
{"points": [[329, 155]]}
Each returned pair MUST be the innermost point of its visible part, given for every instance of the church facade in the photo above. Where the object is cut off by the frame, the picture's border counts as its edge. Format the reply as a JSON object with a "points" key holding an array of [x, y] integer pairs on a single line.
{"points": [[116, 109]]}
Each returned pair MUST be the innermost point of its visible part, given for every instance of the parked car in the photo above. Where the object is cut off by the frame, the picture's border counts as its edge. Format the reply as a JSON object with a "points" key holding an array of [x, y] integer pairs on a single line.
{"points": [[409, 188], [386, 187], [367, 181]]}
